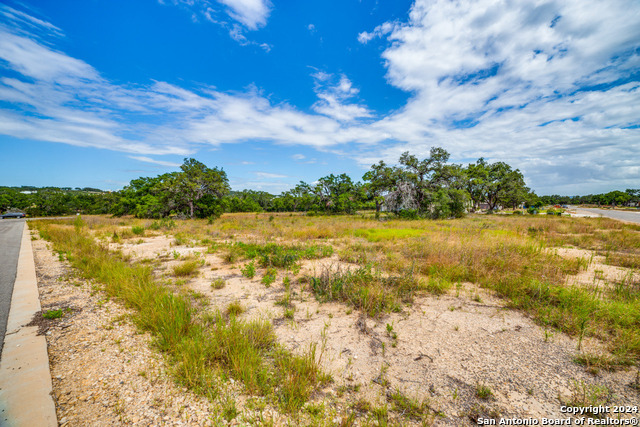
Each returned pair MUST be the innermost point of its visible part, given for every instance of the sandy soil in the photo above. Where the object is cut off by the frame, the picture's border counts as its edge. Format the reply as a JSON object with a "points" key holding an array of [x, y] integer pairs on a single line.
{"points": [[446, 347]]}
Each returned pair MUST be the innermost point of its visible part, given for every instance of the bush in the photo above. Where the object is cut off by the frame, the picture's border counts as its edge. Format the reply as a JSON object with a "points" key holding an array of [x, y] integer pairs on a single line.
{"points": [[249, 270], [269, 277], [137, 230], [408, 214]]}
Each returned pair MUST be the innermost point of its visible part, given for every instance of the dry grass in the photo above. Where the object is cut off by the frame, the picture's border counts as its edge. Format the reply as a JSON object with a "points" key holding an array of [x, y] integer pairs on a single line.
{"points": [[508, 254]]}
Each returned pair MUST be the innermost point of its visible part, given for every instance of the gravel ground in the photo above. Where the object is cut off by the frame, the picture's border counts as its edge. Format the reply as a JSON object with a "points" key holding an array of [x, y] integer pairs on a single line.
{"points": [[106, 373]]}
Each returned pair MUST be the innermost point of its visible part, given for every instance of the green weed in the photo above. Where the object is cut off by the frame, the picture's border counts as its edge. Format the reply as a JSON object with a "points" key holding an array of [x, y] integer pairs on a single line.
{"points": [[249, 270]]}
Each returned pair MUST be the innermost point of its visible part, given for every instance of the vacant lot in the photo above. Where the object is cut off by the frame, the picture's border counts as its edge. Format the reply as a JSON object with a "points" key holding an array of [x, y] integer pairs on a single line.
{"points": [[291, 319]]}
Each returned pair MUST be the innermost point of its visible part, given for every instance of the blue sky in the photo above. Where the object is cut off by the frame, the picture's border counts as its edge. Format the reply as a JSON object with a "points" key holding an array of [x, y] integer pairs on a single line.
{"points": [[97, 93]]}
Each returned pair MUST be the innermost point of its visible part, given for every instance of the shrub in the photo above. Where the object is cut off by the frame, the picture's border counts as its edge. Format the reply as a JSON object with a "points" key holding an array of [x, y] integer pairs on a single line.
{"points": [[269, 277], [249, 270], [137, 230]]}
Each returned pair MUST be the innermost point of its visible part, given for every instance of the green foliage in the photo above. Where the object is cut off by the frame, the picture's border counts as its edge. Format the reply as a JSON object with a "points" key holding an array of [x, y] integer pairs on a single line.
{"points": [[218, 283], [163, 223], [280, 256], [137, 230], [249, 270], [483, 391], [53, 314], [234, 309], [269, 277]]}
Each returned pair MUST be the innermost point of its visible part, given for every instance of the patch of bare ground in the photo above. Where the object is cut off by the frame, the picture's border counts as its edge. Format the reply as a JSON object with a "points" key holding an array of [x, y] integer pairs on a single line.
{"points": [[464, 354], [597, 275]]}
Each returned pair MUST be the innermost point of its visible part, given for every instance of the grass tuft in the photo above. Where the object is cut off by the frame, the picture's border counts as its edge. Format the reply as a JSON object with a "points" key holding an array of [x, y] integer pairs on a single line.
{"points": [[187, 268]]}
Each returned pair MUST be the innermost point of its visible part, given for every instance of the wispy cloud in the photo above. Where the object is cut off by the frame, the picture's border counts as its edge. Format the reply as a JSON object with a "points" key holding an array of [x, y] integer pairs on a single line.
{"points": [[252, 13], [380, 31], [270, 175], [249, 15], [155, 162], [334, 94]]}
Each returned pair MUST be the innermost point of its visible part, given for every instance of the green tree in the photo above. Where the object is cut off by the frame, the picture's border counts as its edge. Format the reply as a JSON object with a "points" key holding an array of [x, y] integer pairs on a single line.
{"points": [[337, 193], [381, 180], [196, 181], [494, 184]]}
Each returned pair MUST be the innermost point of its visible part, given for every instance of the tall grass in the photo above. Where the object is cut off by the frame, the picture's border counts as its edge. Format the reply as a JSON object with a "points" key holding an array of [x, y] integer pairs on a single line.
{"points": [[203, 348], [364, 289]]}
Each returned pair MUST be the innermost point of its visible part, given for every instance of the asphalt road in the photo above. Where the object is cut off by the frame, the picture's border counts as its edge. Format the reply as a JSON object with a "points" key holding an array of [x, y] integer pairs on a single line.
{"points": [[610, 213], [10, 239]]}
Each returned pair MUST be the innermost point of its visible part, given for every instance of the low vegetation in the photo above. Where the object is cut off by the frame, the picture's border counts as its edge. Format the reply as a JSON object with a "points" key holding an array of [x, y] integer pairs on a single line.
{"points": [[203, 347], [375, 267]]}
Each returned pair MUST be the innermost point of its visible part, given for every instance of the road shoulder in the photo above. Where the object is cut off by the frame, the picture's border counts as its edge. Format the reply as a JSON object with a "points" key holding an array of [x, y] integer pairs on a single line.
{"points": [[25, 379]]}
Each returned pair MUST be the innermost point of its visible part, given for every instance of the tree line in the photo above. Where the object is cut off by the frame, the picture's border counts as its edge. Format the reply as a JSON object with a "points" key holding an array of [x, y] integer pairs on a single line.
{"points": [[414, 188]]}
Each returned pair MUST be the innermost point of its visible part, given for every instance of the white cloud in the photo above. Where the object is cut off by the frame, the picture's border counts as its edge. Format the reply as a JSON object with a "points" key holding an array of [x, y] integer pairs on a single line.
{"points": [[380, 31], [333, 96], [517, 81], [249, 15], [298, 157], [269, 175], [252, 13], [155, 162]]}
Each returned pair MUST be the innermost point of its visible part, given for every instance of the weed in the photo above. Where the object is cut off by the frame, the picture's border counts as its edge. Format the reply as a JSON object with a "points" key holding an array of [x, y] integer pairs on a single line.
{"points": [[364, 289], [381, 415], [218, 283], [249, 270], [406, 405], [165, 223], [232, 254], [269, 277], [53, 314], [273, 255], [606, 362], [392, 334], [584, 395], [234, 309], [483, 391], [229, 410]]}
